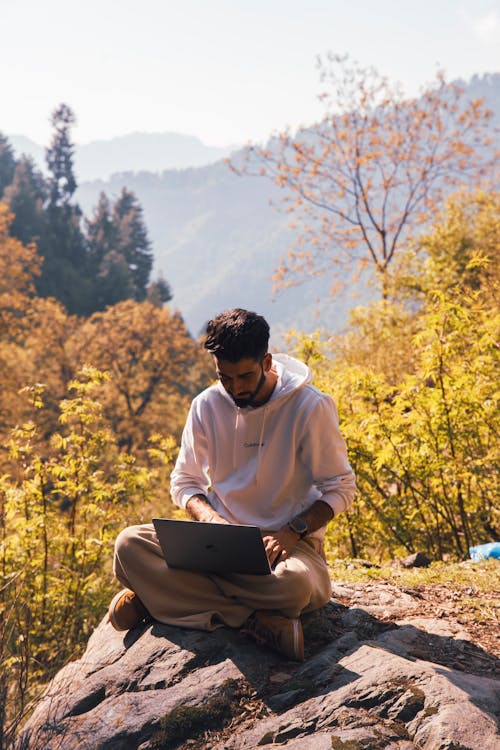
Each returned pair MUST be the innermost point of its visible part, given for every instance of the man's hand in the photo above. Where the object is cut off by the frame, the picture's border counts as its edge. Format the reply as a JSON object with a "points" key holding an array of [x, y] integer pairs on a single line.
{"points": [[200, 509], [279, 544]]}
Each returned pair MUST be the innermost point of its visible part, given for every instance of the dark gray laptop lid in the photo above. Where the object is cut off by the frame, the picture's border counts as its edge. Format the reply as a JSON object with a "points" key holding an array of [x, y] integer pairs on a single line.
{"points": [[212, 547]]}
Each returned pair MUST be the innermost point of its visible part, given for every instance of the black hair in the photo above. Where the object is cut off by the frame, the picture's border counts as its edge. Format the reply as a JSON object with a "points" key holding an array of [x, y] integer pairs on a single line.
{"points": [[236, 334]]}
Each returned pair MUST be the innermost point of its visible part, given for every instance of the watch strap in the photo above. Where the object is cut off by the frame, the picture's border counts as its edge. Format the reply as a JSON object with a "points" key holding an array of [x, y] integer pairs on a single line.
{"points": [[299, 526]]}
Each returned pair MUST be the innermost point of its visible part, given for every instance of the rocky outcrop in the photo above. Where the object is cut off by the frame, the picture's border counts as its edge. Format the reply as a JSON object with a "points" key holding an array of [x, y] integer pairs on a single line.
{"points": [[366, 683]]}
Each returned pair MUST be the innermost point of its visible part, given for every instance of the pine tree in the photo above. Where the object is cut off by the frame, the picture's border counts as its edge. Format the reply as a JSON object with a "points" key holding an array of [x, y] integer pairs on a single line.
{"points": [[119, 252], [7, 163], [133, 241], [101, 232], [159, 292], [65, 271], [113, 281], [60, 157], [26, 196]]}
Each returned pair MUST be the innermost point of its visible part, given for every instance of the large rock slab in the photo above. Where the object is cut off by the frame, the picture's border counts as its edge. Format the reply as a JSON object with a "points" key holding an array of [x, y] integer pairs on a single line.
{"points": [[366, 683]]}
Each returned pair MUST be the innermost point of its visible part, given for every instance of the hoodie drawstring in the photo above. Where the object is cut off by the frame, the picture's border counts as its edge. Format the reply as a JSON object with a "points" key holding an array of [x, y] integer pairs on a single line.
{"points": [[261, 440], [236, 424]]}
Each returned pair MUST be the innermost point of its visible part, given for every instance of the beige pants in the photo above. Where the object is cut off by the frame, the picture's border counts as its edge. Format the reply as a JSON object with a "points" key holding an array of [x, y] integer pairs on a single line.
{"points": [[207, 601]]}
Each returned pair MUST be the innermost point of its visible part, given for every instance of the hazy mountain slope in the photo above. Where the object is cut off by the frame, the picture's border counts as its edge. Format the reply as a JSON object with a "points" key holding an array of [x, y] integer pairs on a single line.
{"points": [[135, 152], [23, 145], [151, 152], [486, 87], [217, 241]]}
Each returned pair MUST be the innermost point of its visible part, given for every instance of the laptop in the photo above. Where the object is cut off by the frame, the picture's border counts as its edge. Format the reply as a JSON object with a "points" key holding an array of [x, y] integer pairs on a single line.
{"points": [[212, 547]]}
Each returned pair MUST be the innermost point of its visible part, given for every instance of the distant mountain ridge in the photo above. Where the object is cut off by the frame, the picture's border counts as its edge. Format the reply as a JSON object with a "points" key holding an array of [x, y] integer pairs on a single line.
{"points": [[485, 87], [134, 152], [217, 238]]}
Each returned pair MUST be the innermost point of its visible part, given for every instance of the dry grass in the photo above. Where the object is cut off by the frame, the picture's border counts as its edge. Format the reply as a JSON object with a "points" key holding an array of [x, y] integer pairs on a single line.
{"points": [[466, 592]]}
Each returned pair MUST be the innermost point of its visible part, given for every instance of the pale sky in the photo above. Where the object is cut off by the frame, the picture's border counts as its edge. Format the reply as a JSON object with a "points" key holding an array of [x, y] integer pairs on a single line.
{"points": [[227, 71]]}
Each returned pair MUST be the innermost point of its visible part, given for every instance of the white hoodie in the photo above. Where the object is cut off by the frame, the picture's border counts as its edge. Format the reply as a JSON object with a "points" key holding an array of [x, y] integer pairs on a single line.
{"points": [[262, 466]]}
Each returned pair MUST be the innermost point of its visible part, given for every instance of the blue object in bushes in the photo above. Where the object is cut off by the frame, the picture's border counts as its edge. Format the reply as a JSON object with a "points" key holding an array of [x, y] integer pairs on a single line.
{"points": [[482, 551]]}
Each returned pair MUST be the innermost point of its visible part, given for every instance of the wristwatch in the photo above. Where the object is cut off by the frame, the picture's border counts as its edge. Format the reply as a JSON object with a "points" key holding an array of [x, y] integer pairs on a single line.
{"points": [[299, 525]]}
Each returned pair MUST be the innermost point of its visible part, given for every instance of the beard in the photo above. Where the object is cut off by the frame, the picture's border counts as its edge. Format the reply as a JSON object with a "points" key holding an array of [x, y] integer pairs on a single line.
{"points": [[249, 400]]}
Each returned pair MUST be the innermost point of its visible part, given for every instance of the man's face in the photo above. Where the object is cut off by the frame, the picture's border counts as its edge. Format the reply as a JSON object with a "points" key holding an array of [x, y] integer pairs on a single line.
{"points": [[243, 380]]}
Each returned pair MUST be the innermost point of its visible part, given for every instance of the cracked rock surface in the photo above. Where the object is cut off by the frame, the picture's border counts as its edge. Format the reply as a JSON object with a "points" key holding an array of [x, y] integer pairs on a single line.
{"points": [[366, 683]]}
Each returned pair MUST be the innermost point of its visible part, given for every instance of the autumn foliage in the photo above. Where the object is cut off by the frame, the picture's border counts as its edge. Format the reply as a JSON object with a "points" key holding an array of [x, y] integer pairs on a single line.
{"points": [[91, 409], [91, 412], [20, 264], [60, 509], [416, 382], [372, 171]]}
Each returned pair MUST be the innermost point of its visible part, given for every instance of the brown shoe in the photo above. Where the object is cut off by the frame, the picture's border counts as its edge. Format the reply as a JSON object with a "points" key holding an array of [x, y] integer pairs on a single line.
{"points": [[283, 634], [126, 610]]}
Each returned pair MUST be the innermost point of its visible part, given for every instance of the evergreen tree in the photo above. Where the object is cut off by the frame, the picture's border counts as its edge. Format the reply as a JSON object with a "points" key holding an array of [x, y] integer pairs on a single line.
{"points": [[65, 271], [7, 163], [60, 157], [119, 252], [101, 232], [133, 241], [113, 281], [88, 272], [159, 292], [26, 196]]}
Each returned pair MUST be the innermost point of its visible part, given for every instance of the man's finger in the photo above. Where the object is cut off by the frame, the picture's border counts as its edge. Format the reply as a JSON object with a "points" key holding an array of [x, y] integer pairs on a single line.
{"points": [[277, 559]]}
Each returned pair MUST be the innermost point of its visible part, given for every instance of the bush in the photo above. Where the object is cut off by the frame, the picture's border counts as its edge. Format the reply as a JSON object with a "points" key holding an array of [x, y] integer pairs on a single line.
{"points": [[59, 516]]}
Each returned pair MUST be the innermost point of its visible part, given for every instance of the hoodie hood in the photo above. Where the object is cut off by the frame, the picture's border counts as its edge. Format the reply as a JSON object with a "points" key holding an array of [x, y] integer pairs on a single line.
{"points": [[292, 375]]}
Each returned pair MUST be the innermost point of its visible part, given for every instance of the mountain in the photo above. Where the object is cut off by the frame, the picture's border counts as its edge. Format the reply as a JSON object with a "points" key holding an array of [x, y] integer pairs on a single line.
{"points": [[23, 145], [151, 152], [486, 87], [217, 239]]}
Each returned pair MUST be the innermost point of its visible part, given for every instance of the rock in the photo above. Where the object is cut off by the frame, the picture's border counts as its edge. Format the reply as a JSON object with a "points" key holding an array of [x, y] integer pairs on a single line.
{"points": [[376, 599], [418, 560], [365, 683]]}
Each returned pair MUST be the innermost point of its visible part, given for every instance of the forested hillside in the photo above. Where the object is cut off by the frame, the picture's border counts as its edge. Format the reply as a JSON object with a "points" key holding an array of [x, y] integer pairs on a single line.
{"points": [[85, 263]]}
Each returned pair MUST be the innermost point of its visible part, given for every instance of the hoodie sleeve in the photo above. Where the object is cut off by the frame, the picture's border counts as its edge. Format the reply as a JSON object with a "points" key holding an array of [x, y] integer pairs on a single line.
{"points": [[324, 451], [190, 475]]}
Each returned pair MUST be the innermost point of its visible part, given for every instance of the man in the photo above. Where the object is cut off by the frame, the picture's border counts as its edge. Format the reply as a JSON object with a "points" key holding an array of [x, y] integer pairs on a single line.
{"points": [[261, 447]]}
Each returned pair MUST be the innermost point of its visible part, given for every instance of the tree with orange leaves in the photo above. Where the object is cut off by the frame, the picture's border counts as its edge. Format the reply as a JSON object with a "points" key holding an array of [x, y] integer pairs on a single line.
{"points": [[375, 168], [19, 265], [154, 369]]}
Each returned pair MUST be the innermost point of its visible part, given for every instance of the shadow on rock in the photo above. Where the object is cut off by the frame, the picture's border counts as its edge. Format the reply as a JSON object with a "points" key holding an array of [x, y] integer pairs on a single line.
{"points": [[365, 681]]}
